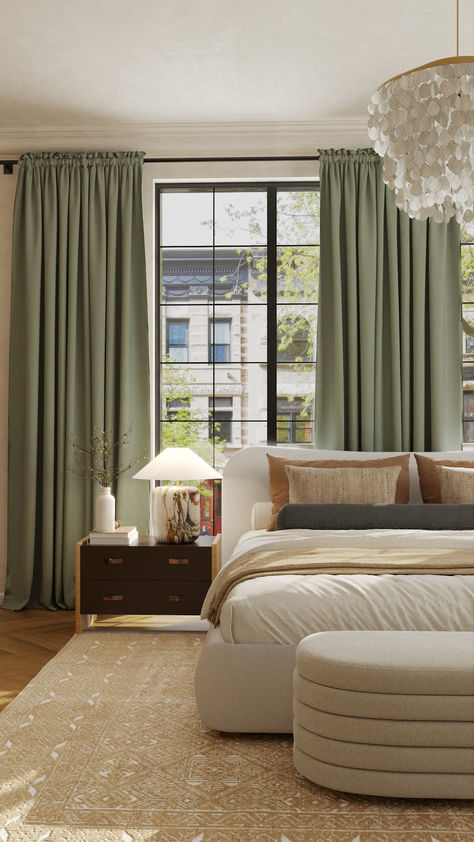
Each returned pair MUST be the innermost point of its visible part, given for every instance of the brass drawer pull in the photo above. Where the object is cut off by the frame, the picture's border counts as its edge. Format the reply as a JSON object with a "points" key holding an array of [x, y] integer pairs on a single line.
{"points": [[113, 560], [178, 561], [116, 597], [176, 597]]}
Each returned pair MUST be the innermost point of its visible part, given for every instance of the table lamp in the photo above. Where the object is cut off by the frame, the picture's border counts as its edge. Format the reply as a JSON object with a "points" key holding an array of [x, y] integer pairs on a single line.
{"points": [[175, 509]]}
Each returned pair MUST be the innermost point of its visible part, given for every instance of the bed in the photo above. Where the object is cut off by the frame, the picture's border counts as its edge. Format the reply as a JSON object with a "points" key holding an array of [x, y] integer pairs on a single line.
{"points": [[243, 680]]}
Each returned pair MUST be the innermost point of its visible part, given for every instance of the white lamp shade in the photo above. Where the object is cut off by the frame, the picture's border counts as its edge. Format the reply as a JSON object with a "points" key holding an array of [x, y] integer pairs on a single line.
{"points": [[177, 464]]}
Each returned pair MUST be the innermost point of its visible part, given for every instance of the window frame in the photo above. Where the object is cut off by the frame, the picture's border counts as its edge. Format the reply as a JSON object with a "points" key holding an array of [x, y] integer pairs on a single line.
{"points": [[272, 189]]}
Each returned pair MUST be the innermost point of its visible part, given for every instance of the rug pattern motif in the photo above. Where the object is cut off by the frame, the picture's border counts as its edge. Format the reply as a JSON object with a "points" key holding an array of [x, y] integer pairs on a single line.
{"points": [[106, 744]]}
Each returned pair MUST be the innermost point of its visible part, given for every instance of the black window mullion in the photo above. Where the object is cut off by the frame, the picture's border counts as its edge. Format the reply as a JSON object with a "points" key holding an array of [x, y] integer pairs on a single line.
{"points": [[158, 306], [271, 315]]}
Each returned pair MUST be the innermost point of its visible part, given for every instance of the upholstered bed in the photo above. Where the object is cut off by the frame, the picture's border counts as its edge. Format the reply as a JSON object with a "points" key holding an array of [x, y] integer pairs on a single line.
{"points": [[244, 676]]}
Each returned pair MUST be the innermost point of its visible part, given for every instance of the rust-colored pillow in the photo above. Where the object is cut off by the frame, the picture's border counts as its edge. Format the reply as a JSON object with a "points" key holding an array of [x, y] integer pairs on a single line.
{"points": [[429, 477], [279, 481]]}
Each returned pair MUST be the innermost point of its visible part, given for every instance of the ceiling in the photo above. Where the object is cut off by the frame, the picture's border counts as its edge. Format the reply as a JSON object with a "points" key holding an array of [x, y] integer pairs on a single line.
{"points": [[104, 65]]}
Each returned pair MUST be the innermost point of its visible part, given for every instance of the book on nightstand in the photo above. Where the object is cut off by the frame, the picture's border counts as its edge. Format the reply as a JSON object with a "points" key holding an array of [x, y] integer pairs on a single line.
{"points": [[121, 535]]}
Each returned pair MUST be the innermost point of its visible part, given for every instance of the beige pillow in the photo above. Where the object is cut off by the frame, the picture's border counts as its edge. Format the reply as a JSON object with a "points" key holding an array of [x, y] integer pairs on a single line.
{"points": [[342, 485], [429, 477], [279, 480], [456, 484]]}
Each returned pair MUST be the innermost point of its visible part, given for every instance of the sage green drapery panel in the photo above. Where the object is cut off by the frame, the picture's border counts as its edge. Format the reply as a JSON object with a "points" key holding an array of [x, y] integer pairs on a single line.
{"points": [[389, 324], [78, 358]]}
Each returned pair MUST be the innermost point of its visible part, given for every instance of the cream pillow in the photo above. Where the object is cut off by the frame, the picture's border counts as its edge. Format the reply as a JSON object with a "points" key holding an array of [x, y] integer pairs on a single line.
{"points": [[342, 485], [457, 484]]}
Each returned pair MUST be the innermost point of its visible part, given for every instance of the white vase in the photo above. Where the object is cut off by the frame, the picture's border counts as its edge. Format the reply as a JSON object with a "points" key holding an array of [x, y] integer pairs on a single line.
{"points": [[105, 511]]}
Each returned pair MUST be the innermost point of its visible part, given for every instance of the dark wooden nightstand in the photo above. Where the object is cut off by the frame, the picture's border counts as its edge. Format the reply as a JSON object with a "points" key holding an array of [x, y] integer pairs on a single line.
{"points": [[144, 578]]}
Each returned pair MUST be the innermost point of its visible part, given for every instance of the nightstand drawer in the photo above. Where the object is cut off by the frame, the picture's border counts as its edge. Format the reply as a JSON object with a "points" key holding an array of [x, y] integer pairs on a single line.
{"points": [[135, 597], [148, 564]]}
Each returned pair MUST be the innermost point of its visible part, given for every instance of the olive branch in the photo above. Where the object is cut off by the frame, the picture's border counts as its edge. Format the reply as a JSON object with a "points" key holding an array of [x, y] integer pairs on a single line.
{"points": [[96, 462]]}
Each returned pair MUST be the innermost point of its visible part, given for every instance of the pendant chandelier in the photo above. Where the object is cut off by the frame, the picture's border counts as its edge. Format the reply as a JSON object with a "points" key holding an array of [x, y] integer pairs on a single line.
{"points": [[422, 124]]}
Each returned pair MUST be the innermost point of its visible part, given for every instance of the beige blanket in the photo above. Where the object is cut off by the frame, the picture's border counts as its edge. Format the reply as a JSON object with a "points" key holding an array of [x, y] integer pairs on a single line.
{"points": [[334, 561]]}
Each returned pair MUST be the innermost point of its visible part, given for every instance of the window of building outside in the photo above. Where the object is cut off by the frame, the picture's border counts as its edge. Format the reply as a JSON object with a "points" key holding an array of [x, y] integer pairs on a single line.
{"points": [[219, 340], [220, 419], [177, 341], [293, 422], [467, 278], [238, 293]]}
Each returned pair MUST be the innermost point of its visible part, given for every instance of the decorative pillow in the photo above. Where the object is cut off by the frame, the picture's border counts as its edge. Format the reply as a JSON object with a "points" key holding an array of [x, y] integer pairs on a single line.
{"points": [[429, 477], [456, 484], [370, 516], [342, 485], [279, 480]]}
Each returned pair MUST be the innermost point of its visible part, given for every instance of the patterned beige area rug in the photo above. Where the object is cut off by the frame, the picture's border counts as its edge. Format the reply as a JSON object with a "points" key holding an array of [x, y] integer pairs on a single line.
{"points": [[105, 745]]}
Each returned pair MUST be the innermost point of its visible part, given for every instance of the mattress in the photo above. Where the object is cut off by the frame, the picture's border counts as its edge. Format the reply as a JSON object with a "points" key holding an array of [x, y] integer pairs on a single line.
{"points": [[286, 608]]}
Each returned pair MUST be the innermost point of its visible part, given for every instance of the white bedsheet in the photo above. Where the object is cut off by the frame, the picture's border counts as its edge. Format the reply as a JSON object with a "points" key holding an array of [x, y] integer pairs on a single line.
{"points": [[284, 609]]}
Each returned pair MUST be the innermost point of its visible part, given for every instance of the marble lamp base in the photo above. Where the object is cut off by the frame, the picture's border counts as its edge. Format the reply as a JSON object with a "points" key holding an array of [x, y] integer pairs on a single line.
{"points": [[176, 514]]}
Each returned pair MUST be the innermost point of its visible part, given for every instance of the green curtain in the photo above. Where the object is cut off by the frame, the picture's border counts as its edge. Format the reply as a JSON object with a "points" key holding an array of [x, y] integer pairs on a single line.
{"points": [[78, 358], [389, 324]]}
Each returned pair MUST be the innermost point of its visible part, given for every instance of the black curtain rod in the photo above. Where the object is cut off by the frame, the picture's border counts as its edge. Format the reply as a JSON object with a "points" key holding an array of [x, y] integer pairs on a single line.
{"points": [[9, 164]]}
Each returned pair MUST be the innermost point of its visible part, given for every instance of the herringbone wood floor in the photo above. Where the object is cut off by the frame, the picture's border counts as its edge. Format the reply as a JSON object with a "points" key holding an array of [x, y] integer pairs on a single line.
{"points": [[28, 639]]}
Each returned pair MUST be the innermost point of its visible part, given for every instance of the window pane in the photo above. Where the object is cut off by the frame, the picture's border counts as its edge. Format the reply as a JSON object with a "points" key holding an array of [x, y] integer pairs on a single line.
{"points": [[188, 323], [298, 217], [468, 330], [296, 325], [221, 332], [186, 218], [294, 420], [467, 272], [296, 382], [467, 232], [298, 273], [241, 218], [186, 433], [186, 274], [240, 273], [220, 427], [468, 435], [469, 403], [191, 384], [248, 331]]}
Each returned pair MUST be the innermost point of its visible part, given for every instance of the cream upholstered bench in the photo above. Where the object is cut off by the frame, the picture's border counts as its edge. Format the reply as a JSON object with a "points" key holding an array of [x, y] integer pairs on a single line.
{"points": [[386, 712]]}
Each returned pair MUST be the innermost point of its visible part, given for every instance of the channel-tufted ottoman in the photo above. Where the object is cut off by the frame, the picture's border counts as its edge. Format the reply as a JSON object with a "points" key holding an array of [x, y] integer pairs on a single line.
{"points": [[386, 712]]}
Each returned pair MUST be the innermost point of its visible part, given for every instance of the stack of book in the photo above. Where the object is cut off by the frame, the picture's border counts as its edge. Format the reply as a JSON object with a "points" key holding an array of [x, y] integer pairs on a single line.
{"points": [[122, 535]]}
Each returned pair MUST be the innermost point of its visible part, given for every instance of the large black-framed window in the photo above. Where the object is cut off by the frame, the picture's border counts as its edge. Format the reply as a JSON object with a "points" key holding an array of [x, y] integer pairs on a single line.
{"points": [[239, 264]]}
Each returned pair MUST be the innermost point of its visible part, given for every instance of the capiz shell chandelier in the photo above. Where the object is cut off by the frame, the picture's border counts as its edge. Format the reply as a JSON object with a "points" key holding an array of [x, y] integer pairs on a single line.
{"points": [[422, 124]]}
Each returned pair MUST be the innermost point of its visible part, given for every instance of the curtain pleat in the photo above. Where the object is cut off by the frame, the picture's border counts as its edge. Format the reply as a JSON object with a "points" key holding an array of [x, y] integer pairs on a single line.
{"points": [[389, 323], [78, 358]]}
